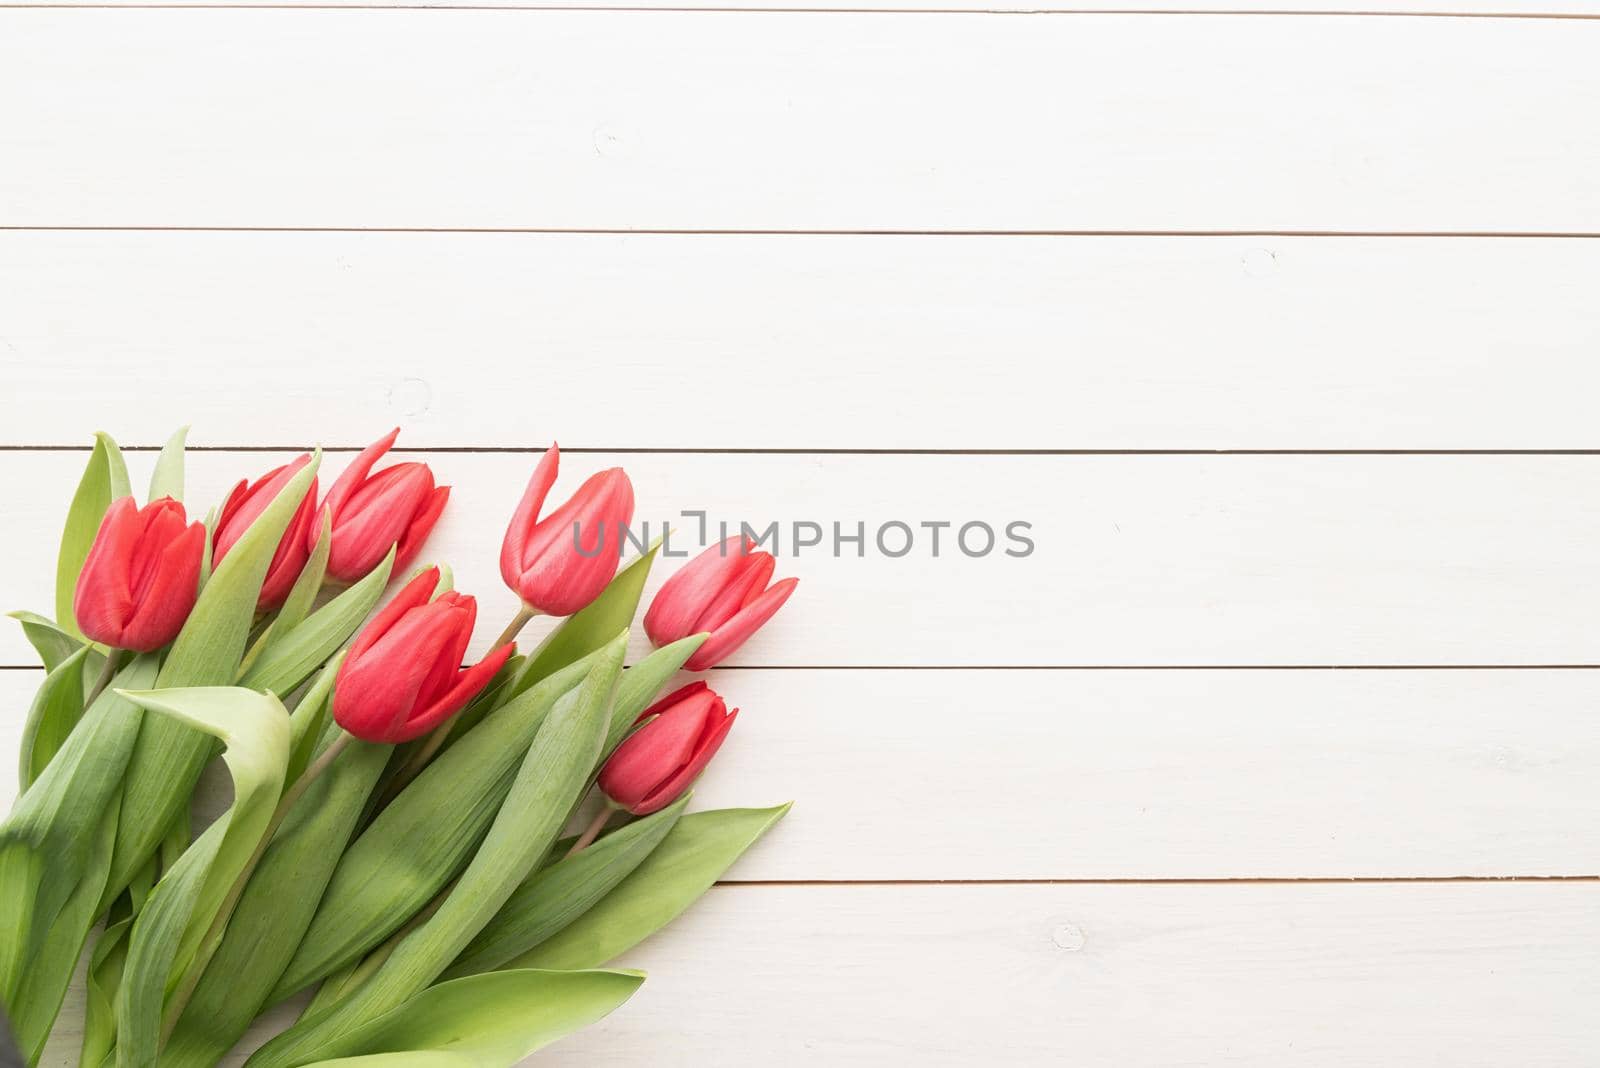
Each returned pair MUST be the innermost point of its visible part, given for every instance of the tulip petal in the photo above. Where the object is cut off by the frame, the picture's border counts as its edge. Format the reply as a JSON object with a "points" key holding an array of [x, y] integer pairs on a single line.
{"points": [[743, 586], [421, 526], [351, 478], [170, 594], [102, 601], [657, 751], [375, 518], [467, 686], [560, 580], [458, 628], [512, 555], [726, 639], [679, 603], [672, 698], [412, 594], [668, 791]]}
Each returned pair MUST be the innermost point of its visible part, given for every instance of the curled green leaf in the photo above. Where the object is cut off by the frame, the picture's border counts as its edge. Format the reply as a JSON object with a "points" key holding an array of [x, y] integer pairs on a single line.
{"points": [[169, 755], [169, 937]]}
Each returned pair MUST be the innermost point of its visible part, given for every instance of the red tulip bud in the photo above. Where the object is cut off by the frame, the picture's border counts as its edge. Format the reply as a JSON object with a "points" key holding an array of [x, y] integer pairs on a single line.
{"points": [[141, 577], [659, 760], [560, 563], [724, 592], [403, 676], [398, 506], [244, 506]]}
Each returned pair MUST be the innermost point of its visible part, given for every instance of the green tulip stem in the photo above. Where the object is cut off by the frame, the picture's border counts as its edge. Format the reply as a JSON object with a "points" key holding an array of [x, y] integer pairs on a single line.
{"points": [[591, 832], [525, 612], [436, 738], [108, 671], [219, 924]]}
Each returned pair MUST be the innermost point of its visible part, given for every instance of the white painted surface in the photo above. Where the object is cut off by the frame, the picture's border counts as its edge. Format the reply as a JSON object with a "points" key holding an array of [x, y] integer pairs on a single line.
{"points": [[1138, 560], [998, 342], [723, 120], [981, 786], [1148, 774]]}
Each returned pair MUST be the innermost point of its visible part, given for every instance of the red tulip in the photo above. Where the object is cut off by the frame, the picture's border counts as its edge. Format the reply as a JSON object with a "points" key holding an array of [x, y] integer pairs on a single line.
{"points": [[403, 675], [541, 559], [244, 506], [398, 506], [722, 591], [658, 761], [141, 577]]}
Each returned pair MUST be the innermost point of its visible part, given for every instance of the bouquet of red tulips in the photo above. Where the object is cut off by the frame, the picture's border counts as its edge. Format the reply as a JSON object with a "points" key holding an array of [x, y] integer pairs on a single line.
{"points": [[393, 853]]}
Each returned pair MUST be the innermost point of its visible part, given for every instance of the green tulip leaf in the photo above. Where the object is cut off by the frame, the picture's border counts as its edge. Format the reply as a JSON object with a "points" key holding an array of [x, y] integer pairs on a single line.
{"points": [[303, 594], [169, 936], [56, 709], [167, 478], [558, 894], [34, 1009], [643, 681], [52, 643], [275, 909], [486, 1021], [311, 717], [553, 775], [422, 838], [169, 754], [49, 855], [105, 478], [693, 856], [103, 978], [293, 655]]}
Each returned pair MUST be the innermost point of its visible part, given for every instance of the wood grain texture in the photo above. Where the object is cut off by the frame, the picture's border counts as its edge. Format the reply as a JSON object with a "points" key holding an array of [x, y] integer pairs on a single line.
{"points": [[802, 342], [1475, 975], [1146, 976], [796, 121], [1144, 775], [1138, 560]]}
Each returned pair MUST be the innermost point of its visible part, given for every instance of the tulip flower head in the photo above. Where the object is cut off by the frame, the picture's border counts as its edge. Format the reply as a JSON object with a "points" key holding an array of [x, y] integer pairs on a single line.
{"points": [[370, 513], [403, 675], [657, 762], [244, 506], [723, 592], [141, 577], [560, 563]]}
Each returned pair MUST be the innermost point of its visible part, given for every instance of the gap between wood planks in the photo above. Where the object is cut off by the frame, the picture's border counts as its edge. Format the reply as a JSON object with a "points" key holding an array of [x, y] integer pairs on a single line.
{"points": [[1324, 13]]}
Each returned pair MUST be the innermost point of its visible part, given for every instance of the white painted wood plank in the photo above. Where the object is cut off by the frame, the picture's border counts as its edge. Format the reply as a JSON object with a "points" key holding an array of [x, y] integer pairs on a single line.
{"points": [[1248, 976], [801, 342], [1179, 975], [1138, 560], [1145, 775], [796, 121]]}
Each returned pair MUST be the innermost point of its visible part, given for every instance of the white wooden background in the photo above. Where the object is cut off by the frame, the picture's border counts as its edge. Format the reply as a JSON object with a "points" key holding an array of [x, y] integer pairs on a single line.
{"points": [[1279, 323]]}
